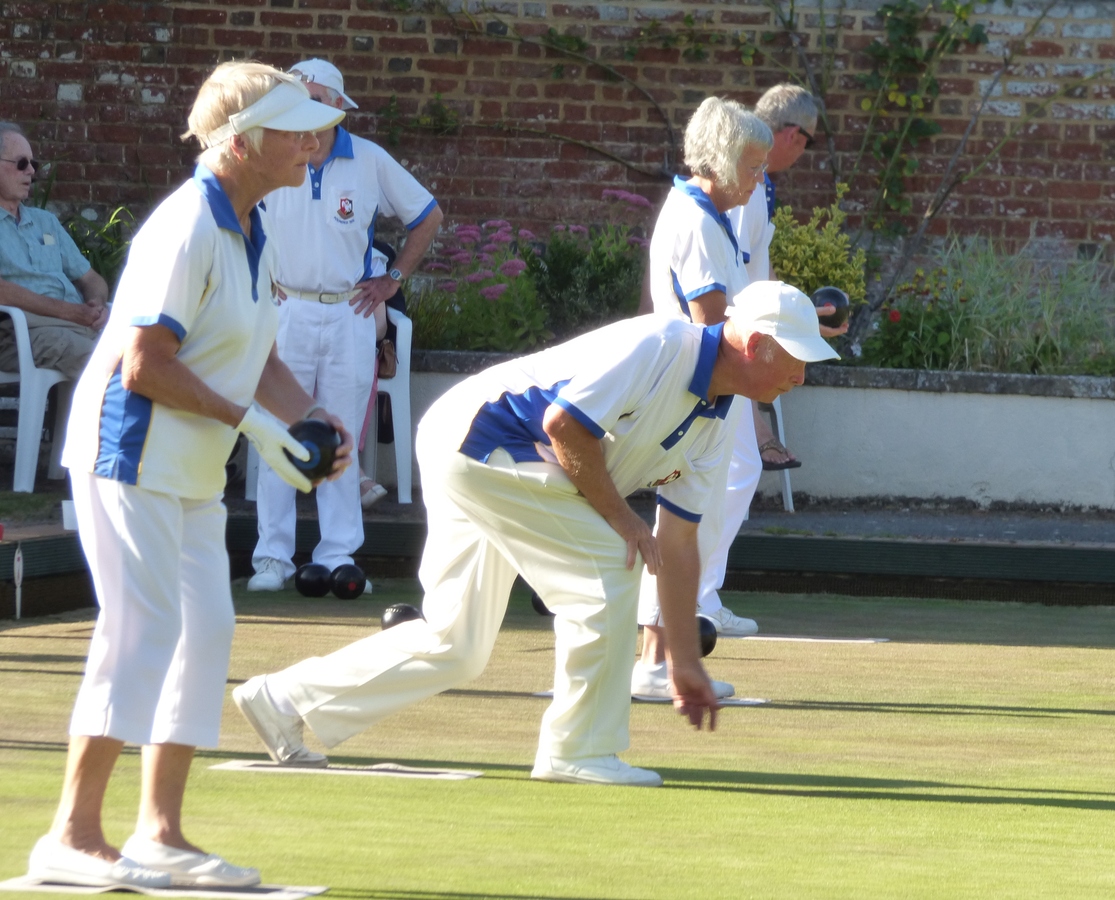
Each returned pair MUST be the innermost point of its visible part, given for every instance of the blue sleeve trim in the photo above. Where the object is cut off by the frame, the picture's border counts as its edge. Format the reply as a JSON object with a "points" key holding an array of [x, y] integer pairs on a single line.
{"points": [[422, 216], [678, 511], [162, 319], [708, 288], [594, 429]]}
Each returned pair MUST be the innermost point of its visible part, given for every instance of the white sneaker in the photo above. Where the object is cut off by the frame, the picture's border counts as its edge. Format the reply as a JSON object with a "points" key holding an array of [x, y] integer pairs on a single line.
{"points": [[54, 862], [268, 576], [593, 770], [281, 735], [184, 867], [728, 624], [653, 683]]}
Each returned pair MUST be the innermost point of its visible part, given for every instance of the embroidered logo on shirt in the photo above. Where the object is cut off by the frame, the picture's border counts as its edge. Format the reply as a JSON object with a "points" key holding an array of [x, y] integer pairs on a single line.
{"points": [[344, 208], [673, 476]]}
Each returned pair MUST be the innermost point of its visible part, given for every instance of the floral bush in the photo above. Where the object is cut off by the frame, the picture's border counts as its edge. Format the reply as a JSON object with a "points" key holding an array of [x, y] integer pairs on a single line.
{"points": [[493, 286]]}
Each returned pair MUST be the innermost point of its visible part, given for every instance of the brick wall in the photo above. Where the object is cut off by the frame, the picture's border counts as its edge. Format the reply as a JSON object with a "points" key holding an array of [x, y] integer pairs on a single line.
{"points": [[104, 89]]}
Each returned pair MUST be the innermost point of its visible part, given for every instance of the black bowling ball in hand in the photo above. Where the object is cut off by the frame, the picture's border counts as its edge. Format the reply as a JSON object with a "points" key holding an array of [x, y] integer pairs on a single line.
{"points": [[400, 612], [707, 629], [312, 580], [832, 296], [322, 440], [347, 581]]}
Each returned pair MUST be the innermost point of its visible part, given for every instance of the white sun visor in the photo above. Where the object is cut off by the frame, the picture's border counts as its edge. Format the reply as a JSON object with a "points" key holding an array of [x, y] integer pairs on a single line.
{"points": [[286, 107]]}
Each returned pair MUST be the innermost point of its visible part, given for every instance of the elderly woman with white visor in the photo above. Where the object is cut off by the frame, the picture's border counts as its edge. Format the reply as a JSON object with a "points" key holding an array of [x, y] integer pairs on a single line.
{"points": [[186, 361], [697, 270]]}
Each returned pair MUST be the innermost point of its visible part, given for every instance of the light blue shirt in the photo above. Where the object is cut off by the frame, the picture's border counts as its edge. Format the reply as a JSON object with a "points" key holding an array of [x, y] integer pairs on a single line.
{"points": [[37, 253]]}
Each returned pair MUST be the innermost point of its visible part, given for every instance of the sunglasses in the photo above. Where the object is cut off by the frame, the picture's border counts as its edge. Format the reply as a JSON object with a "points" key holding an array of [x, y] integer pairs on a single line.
{"points": [[23, 162], [808, 137]]}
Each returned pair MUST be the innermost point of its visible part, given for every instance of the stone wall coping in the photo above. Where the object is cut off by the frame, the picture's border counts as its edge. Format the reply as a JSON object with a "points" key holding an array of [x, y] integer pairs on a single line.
{"points": [[1084, 387]]}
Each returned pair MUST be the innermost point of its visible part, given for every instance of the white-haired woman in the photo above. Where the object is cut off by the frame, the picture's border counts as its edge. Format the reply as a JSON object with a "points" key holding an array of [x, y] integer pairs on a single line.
{"points": [[697, 269], [187, 359]]}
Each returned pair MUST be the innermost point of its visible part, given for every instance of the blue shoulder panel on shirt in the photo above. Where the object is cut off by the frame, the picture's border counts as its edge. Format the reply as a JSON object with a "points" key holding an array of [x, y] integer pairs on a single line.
{"points": [[125, 422], [680, 294], [705, 203], [422, 215], [513, 422], [678, 511], [706, 289], [595, 430], [221, 208], [161, 319]]}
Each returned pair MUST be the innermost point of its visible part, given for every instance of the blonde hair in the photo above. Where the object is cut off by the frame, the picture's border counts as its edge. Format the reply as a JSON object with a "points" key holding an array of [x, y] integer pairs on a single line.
{"points": [[716, 136], [230, 88]]}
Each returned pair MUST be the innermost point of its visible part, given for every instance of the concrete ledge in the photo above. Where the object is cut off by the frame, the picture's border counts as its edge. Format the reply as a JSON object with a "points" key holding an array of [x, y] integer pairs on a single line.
{"points": [[1075, 386]]}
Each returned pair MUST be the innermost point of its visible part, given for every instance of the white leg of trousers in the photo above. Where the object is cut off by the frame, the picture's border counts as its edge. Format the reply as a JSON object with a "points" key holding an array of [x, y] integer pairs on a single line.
{"points": [[744, 471], [712, 521], [159, 655], [488, 522], [344, 380]]}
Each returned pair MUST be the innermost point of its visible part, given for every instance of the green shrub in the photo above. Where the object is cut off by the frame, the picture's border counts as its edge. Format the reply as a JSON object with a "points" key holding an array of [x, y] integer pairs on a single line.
{"points": [[818, 253], [106, 244], [986, 310]]}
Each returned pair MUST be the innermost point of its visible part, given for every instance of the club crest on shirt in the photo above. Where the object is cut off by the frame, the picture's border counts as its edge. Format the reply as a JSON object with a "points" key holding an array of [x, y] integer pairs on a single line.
{"points": [[673, 476], [344, 209]]}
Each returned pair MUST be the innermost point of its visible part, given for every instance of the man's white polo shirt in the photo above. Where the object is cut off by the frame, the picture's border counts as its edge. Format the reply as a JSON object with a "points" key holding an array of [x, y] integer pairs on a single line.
{"points": [[640, 386], [323, 229], [192, 270], [754, 229], [694, 250]]}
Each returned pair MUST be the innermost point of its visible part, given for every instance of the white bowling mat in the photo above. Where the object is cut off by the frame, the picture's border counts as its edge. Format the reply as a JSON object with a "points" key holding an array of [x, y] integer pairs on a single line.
{"points": [[391, 770], [264, 891]]}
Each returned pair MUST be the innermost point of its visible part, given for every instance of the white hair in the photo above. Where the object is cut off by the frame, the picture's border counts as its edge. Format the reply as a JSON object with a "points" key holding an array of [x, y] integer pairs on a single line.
{"points": [[716, 136], [787, 104]]}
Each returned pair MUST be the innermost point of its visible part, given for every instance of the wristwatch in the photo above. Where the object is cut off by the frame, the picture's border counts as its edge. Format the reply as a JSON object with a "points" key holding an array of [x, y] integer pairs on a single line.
{"points": [[396, 275]]}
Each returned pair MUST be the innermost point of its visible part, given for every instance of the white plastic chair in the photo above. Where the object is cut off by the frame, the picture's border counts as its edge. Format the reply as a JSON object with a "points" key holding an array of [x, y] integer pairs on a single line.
{"points": [[34, 385], [398, 389], [776, 421]]}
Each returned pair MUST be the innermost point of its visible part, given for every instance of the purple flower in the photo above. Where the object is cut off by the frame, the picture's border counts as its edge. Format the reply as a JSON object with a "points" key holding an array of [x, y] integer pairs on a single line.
{"points": [[559, 228], [526, 235], [578, 229], [481, 275], [502, 237], [484, 257], [497, 223], [638, 200], [490, 248], [513, 268], [464, 257], [612, 194], [492, 291], [437, 267], [450, 287]]}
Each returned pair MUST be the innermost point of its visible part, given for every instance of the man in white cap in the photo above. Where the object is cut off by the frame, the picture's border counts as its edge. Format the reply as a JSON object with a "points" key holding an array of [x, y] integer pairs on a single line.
{"points": [[525, 468], [332, 288]]}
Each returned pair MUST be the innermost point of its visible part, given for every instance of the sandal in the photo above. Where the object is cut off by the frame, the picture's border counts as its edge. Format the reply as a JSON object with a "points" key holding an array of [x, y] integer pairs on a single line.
{"points": [[371, 492], [776, 445]]}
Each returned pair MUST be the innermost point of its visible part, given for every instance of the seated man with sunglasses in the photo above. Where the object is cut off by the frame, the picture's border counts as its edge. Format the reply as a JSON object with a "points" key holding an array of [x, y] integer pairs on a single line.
{"points": [[42, 272]]}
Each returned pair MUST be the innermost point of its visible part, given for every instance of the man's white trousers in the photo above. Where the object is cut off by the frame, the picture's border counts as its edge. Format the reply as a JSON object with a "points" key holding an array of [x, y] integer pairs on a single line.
{"points": [[159, 655], [737, 477], [331, 352], [488, 522]]}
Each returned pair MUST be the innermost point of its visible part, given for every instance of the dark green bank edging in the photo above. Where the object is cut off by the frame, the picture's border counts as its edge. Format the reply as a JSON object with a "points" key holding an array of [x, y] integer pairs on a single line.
{"points": [[56, 578]]}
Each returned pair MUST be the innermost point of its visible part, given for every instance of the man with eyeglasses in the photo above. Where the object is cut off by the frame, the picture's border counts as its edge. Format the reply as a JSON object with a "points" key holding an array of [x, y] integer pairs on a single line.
{"points": [[42, 272], [332, 289]]}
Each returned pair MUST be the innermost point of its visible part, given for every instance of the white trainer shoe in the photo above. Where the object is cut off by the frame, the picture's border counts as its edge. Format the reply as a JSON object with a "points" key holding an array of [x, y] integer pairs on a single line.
{"points": [[281, 735], [54, 862], [268, 577], [653, 683], [593, 770], [184, 867], [728, 624]]}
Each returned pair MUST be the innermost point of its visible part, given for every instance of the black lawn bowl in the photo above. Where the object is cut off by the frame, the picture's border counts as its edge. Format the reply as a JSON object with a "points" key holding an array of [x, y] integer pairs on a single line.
{"points": [[707, 629], [399, 613], [832, 296], [312, 580], [322, 440], [347, 582]]}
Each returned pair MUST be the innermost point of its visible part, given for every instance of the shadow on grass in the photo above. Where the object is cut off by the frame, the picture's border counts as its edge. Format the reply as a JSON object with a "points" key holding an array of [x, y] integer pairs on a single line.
{"points": [[935, 709]]}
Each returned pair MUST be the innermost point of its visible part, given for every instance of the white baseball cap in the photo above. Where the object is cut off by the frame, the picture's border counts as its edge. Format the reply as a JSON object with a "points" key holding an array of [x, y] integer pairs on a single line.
{"points": [[318, 71], [286, 107], [786, 314]]}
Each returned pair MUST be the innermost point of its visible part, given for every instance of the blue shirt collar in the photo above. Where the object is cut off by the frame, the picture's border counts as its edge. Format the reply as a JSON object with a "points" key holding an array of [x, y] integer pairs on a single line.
{"points": [[224, 215], [705, 203], [702, 376]]}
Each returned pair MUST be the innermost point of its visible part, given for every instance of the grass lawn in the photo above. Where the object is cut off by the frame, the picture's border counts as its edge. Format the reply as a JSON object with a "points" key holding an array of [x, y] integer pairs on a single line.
{"points": [[971, 756]]}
